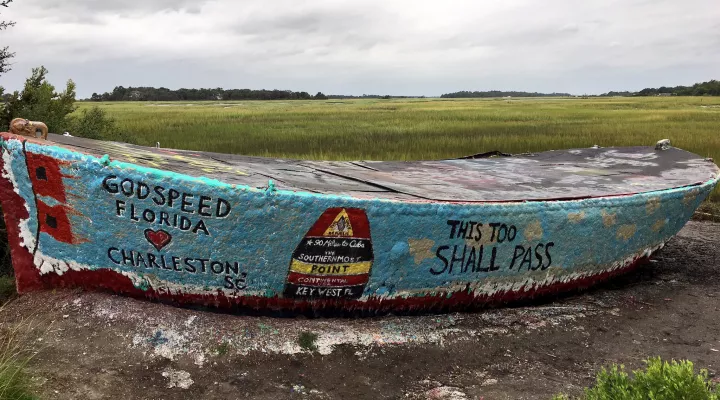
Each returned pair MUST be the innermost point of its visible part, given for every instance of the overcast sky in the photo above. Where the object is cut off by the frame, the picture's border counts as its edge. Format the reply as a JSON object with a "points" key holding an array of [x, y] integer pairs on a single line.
{"points": [[402, 47]]}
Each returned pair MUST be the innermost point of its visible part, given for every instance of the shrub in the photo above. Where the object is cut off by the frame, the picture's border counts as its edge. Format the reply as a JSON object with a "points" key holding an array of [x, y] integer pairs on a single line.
{"points": [[39, 101], [661, 380], [93, 123], [306, 341]]}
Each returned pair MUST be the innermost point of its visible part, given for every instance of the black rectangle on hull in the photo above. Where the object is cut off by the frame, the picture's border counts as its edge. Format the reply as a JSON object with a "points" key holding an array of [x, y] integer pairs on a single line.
{"points": [[312, 292]]}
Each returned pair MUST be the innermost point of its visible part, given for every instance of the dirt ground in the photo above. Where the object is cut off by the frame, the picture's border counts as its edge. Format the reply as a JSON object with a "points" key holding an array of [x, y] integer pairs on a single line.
{"points": [[100, 346]]}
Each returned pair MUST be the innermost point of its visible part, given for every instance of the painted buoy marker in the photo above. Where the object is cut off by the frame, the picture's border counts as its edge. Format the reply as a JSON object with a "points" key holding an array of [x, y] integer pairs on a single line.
{"points": [[334, 258]]}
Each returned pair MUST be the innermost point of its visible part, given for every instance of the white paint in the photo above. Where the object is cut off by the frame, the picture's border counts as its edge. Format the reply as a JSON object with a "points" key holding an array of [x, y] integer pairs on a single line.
{"points": [[200, 359], [445, 393], [161, 331], [27, 239], [177, 378], [165, 343]]}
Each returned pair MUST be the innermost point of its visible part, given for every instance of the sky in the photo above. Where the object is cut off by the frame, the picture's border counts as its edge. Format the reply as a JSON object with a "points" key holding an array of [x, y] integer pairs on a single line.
{"points": [[398, 47]]}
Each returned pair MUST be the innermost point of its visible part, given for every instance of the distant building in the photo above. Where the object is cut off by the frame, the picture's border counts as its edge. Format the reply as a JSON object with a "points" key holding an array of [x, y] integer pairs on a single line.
{"points": [[664, 94]]}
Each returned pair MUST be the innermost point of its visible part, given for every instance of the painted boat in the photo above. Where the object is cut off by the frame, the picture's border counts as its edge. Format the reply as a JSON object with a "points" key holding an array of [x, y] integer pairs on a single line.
{"points": [[242, 232]]}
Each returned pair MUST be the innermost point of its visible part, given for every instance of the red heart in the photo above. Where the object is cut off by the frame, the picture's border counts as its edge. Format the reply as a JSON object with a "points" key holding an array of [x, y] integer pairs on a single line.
{"points": [[159, 238]]}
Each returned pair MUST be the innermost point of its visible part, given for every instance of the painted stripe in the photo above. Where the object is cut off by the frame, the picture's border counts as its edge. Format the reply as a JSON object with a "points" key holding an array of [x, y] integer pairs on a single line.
{"points": [[335, 281], [316, 250], [330, 269]]}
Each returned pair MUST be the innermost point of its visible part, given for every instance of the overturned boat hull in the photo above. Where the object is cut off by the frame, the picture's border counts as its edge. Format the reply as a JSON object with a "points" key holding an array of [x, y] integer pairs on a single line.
{"points": [[231, 231]]}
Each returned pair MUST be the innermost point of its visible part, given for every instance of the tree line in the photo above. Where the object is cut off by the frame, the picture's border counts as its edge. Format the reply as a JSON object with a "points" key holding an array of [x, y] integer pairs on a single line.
{"points": [[709, 88], [121, 93], [498, 93]]}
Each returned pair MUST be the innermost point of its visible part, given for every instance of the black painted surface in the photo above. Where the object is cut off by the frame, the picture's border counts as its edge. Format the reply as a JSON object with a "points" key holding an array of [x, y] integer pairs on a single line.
{"points": [[562, 174]]}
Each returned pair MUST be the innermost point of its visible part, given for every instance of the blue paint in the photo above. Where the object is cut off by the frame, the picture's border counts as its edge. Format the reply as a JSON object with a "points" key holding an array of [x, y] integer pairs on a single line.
{"points": [[413, 242]]}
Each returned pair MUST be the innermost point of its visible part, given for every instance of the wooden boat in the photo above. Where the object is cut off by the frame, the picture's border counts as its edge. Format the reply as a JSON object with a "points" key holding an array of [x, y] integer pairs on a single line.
{"points": [[249, 232]]}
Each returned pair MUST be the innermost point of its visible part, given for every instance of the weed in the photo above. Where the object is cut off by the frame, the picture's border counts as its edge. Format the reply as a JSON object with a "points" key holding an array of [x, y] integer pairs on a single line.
{"points": [[306, 341], [222, 349]]}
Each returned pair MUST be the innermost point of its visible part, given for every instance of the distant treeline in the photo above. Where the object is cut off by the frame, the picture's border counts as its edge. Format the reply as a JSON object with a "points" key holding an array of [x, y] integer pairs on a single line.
{"points": [[120, 93], [372, 96], [709, 88], [498, 93], [163, 94]]}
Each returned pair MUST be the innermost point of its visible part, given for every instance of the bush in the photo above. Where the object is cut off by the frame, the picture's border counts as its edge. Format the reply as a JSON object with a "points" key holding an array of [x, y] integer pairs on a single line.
{"points": [[674, 380], [306, 341], [94, 124]]}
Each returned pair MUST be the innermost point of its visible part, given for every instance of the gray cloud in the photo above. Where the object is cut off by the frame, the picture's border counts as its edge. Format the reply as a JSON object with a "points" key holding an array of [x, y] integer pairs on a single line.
{"points": [[373, 46], [299, 22], [121, 6]]}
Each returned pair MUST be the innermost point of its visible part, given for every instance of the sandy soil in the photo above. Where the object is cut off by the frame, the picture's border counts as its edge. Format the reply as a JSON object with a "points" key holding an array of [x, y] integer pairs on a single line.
{"points": [[100, 346]]}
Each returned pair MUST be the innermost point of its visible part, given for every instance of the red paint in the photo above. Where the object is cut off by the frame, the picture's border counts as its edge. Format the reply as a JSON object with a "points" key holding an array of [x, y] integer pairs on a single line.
{"points": [[54, 221], [159, 238], [27, 277], [117, 283], [358, 221], [45, 176], [333, 281]]}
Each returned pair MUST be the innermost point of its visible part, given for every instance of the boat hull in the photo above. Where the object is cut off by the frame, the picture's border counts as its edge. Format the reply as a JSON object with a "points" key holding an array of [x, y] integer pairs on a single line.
{"points": [[75, 220]]}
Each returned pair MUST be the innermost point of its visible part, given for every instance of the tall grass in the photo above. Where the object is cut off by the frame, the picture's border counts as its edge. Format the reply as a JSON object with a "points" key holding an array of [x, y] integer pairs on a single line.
{"points": [[420, 128], [14, 356]]}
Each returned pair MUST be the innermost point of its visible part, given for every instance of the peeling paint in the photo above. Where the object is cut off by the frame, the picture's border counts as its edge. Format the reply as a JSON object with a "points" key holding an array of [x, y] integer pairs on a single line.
{"points": [[576, 217], [609, 219], [421, 249], [533, 231], [658, 225], [625, 232], [653, 205], [690, 196]]}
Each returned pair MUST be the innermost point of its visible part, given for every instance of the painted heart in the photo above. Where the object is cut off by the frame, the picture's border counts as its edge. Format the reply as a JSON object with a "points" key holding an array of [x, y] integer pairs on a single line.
{"points": [[159, 238]]}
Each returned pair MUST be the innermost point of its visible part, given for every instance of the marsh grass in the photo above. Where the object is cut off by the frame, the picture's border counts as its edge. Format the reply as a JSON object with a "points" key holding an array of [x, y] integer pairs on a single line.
{"points": [[14, 357], [418, 129]]}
